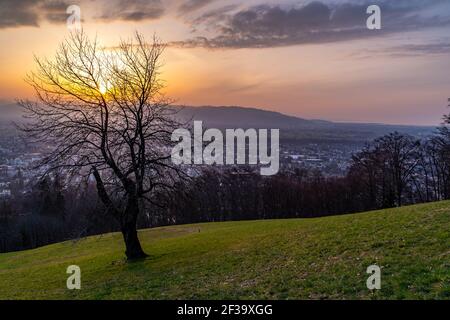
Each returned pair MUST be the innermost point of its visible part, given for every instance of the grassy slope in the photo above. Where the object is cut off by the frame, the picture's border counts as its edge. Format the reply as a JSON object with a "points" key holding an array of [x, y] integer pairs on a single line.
{"points": [[289, 259]]}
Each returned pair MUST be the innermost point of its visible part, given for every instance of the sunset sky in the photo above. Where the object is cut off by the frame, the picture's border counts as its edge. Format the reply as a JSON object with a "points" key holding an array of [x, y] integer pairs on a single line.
{"points": [[312, 59]]}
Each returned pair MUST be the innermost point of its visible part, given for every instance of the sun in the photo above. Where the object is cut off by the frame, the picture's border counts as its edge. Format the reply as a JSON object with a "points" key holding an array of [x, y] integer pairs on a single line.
{"points": [[103, 88]]}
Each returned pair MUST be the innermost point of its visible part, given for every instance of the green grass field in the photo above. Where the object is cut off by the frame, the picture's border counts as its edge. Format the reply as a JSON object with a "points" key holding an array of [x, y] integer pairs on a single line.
{"points": [[322, 258]]}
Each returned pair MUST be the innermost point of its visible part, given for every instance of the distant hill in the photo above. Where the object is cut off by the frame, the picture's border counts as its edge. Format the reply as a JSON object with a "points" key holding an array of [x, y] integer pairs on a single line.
{"points": [[224, 117], [9, 112], [294, 127], [324, 258], [239, 117]]}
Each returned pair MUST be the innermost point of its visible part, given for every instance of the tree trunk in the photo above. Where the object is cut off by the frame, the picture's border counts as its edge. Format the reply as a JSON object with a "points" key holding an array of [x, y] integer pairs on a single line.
{"points": [[127, 219], [133, 245]]}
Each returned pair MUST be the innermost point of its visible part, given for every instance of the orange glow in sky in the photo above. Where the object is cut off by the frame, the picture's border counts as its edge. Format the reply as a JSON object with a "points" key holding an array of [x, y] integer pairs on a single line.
{"points": [[361, 80]]}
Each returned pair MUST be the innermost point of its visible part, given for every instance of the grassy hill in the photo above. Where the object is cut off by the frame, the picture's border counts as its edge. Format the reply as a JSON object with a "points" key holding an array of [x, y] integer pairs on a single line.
{"points": [[280, 259]]}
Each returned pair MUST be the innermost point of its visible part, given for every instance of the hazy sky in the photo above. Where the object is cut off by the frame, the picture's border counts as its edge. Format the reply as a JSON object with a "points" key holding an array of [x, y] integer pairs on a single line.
{"points": [[313, 59]]}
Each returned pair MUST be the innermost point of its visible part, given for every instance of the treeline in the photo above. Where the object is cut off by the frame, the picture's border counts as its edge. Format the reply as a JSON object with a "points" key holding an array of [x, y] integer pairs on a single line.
{"points": [[393, 170], [51, 213]]}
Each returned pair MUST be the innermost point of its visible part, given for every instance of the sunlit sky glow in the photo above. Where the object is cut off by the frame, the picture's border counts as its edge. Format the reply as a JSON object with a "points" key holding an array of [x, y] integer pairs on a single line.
{"points": [[310, 59]]}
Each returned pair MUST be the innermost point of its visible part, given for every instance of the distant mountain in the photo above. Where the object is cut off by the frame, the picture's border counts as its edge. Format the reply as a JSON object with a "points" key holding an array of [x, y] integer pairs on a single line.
{"points": [[293, 127], [239, 117], [9, 112]]}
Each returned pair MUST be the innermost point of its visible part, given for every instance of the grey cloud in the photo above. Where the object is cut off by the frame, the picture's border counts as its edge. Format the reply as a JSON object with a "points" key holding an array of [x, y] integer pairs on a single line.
{"points": [[193, 5], [211, 17], [209, 20], [133, 10], [55, 11], [17, 13], [424, 49], [409, 50], [14, 13], [315, 22]]}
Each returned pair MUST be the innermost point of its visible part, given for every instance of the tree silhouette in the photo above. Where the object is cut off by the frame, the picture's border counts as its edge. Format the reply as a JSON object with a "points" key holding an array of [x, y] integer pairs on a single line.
{"points": [[103, 112]]}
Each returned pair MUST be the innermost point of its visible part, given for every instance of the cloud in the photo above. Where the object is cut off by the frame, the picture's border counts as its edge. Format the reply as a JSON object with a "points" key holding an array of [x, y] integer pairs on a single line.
{"points": [[17, 13], [209, 19], [193, 5], [132, 10], [315, 22], [406, 50], [54, 11], [14, 13], [425, 49], [20, 13]]}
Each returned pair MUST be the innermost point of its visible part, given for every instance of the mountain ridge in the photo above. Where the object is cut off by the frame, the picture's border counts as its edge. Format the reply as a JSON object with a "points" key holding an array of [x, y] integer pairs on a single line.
{"points": [[229, 117], [293, 127]]}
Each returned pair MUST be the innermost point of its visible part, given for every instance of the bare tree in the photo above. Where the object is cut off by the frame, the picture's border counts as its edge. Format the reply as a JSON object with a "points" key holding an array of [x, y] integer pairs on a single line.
{"points": [[446, 116], [402, 157], [103, 112]]}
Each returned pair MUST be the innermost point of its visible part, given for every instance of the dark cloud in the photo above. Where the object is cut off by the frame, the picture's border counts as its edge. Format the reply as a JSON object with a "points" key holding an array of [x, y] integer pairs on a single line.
{"points": [[315, 22], [14, 13], [54, 11], [193, 5], [212, 16], [209, 20], [132, 10], [17, 13]]}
